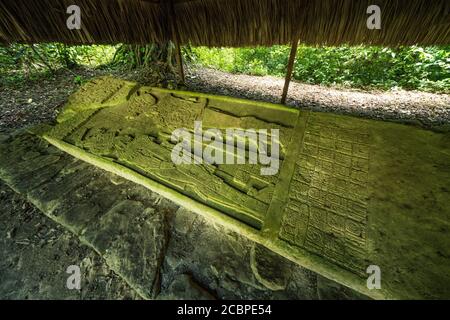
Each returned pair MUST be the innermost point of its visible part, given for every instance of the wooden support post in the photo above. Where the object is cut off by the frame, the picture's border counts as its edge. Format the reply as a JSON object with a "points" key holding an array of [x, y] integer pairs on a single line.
{"points": [[179, 61], [290, 66], [176, 37]]}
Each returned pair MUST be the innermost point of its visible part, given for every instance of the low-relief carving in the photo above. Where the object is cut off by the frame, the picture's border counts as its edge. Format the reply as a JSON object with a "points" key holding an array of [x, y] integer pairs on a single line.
{"points": [[324, 198]]}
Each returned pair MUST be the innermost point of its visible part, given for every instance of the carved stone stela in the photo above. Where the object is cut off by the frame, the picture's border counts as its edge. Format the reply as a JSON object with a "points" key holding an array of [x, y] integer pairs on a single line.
{"points": [[325, 197]]}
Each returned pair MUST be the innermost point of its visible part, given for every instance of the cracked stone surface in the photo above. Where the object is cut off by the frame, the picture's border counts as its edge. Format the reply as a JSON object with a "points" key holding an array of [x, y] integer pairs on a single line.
{"points": [[349, 192], [237, 268], [156, 249], [116, 220], [35, 253]]}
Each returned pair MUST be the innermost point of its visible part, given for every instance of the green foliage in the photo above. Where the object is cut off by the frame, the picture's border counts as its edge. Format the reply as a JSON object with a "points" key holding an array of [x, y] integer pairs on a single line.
{"points": [[20, 62], [426, 69], [255, 61], [138, 56], [419, 68], [78, 80], [219, 58], [415, 68]]}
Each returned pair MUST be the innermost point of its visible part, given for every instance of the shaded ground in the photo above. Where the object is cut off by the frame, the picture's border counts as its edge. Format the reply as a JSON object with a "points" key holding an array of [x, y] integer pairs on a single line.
{"points": [[35, 253]]}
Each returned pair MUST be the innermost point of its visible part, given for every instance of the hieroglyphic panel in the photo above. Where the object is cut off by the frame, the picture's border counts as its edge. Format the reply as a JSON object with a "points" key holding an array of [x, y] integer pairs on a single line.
{"points": [[326, 211]]}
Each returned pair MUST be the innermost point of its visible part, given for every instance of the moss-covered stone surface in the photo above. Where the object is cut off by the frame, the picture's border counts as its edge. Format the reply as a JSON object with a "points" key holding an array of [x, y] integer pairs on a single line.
{"points": [[160, 250], [349, 193]]}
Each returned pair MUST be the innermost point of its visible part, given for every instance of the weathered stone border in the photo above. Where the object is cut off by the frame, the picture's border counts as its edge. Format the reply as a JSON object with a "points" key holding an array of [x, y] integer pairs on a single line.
{"points": [[295, 254]]}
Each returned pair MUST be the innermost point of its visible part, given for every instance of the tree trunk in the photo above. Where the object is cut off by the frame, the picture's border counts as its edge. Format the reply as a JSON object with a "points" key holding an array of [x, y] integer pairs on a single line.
{"points": [[156, 61]]}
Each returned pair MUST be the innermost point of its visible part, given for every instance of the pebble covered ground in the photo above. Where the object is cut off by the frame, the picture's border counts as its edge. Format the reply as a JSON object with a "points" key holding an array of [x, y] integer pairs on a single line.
{"points": [[420, 108]]}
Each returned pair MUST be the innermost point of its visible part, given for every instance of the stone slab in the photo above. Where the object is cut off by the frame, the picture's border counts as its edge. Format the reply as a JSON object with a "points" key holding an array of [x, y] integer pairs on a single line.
{"points": [[92, 207], [350, 192], [35, 253], [160, 250]]}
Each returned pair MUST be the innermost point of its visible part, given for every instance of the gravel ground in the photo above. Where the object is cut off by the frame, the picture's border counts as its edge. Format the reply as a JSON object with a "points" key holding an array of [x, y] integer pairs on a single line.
{"points": [[425, 109], [39, 101]]}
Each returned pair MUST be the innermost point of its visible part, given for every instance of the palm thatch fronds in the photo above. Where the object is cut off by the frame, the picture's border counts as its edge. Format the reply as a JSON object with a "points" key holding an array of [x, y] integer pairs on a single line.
{"points": [[227, 22]]}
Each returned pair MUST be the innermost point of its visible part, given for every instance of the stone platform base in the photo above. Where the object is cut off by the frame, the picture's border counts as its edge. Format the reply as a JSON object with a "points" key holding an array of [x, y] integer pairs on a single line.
{"points": [[161, 250], [348, 194]]}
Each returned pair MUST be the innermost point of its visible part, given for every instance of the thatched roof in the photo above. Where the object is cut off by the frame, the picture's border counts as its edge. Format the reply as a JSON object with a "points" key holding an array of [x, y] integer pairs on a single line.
{"points": [[227, 22]]}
